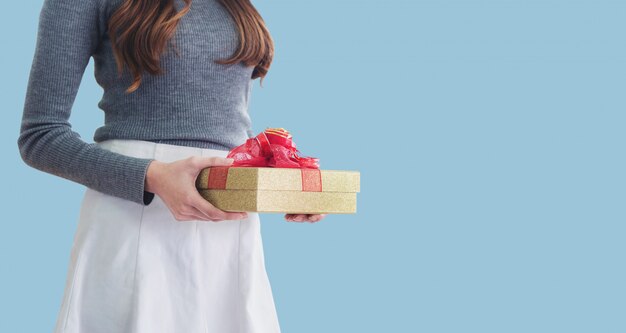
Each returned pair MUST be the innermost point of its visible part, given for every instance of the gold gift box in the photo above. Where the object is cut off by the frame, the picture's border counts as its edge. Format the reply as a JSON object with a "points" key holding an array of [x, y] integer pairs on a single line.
{"points": [[280, 190]]}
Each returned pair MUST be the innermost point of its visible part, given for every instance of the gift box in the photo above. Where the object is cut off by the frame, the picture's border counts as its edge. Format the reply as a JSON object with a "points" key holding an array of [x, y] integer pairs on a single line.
{"points": [[269, 175], [284, 190]]}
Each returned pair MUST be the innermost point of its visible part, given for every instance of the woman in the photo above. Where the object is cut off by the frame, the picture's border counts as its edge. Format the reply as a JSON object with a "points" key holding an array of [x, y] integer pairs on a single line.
{"points": [[177, 78]]}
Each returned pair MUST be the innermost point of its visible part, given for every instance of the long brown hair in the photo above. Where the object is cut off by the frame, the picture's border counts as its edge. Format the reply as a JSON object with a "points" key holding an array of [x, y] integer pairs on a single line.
{"points": [[140, 30]]}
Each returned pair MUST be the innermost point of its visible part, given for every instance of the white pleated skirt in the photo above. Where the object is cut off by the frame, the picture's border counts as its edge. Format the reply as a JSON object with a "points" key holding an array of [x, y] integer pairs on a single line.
{"points": [[136, 269]]}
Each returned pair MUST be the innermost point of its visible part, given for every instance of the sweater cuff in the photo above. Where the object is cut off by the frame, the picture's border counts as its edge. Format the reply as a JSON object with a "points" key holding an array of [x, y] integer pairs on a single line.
{"points": [[137, 192]]}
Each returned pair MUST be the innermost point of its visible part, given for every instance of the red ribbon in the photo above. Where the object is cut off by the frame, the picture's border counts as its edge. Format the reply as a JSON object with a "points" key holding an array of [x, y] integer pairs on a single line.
{"points": [[273, 148]]}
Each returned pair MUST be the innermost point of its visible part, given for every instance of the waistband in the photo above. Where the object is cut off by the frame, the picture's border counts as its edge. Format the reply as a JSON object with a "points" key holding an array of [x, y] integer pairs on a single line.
{"points": [[159, 151]]}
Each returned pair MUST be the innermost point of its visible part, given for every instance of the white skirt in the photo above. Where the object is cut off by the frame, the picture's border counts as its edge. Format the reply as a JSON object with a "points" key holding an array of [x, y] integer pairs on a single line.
{"points": [[136, 269]]}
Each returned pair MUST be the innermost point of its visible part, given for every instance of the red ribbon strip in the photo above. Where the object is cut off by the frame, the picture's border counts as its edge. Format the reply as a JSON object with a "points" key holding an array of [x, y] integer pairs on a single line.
{"points": [[311, 180], [217, 177], [273, 148]]}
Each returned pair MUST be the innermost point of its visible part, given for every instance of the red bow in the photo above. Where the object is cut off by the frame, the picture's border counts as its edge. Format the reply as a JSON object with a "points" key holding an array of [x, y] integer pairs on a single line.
{"points": [[273, 147]]}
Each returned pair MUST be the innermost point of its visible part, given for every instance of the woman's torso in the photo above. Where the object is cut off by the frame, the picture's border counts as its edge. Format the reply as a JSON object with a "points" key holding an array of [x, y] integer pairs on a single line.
{"points": [[196, 102]]}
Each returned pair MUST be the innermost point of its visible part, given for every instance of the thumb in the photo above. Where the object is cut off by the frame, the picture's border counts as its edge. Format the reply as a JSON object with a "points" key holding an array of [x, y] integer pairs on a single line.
{"points": [[215, 161]]}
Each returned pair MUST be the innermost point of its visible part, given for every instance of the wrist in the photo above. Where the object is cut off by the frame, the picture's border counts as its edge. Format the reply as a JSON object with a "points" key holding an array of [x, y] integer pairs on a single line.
{"points": [[152, 176]]}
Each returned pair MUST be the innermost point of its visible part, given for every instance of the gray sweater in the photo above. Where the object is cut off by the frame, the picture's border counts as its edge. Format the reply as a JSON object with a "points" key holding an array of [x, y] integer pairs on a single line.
{"points": [[195, 103]]}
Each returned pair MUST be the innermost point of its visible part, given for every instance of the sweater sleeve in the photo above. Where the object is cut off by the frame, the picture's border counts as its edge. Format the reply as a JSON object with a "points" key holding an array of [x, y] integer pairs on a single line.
{"points": [[69, 31]]}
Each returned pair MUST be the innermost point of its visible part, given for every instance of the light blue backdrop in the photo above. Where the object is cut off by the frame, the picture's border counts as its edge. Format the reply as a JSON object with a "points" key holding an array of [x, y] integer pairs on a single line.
{"points": [[490, 139]]}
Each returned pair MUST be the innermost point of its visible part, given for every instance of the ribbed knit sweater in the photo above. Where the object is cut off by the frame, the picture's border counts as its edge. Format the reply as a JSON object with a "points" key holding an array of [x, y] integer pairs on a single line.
{"points": [[196, 102]]}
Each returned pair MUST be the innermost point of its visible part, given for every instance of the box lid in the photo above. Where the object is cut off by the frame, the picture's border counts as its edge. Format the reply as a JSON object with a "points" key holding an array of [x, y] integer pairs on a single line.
{"points": [[279, 179]]}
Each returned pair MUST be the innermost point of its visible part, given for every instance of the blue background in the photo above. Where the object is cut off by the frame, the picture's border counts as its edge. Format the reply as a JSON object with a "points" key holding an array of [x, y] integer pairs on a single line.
{"points": [[490, 140]]}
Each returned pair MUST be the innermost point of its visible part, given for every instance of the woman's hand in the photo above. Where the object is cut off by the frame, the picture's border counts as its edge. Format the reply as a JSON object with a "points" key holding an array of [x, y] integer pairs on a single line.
{"points": [[175, 184], [312, 218]]}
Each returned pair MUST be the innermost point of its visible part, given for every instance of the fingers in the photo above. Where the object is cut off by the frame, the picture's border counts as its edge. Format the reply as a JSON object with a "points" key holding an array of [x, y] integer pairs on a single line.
{"points": [[312, 218], [316, 217], [295, 217], [205, 217], [214, 213], [201, 162], [183, 199], [194, 214], [189, 215]]}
